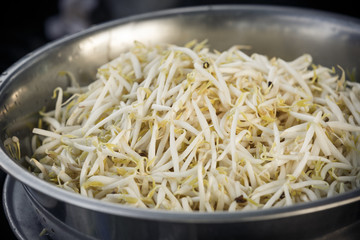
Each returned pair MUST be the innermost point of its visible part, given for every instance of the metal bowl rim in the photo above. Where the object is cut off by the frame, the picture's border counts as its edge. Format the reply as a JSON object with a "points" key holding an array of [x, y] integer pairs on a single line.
{"points": [[31, 182]]}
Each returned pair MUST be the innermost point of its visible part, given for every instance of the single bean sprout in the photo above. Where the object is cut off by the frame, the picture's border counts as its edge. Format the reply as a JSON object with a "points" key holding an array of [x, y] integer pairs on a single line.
{"points": [[189, 129]]}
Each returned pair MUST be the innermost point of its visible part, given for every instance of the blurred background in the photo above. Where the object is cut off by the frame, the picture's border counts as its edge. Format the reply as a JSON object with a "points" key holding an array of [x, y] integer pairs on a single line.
{"points": [[28, 25]]}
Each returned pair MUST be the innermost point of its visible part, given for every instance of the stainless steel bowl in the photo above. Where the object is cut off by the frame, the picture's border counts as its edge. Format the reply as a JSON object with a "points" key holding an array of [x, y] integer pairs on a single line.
{"points": [[275, 31]]}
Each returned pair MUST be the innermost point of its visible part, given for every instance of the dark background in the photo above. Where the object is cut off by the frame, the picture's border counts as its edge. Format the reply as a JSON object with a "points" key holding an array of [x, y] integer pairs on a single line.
{"points": [[27, 25], [23, 24]]}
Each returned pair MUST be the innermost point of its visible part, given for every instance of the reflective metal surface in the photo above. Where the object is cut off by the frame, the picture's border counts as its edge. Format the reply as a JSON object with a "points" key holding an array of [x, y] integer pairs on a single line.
{"points": [[284, 32], [21, 216], [30, 220]]}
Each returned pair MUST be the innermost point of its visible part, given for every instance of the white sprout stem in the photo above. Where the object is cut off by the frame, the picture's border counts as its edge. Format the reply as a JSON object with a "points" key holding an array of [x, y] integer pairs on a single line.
{"points": [[173, 149]]}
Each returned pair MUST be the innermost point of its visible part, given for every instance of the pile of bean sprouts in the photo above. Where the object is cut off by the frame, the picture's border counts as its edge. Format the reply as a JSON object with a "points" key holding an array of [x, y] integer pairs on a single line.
{"points": [[187, 128]]}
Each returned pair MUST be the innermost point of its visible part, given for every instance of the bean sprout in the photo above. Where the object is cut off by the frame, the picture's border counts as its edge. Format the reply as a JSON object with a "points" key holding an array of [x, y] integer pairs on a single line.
{"points": [[188, 129]]}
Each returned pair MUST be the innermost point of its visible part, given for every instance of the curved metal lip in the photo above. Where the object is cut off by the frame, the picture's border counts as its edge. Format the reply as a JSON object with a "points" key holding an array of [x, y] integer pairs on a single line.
{"points": [[31, 182]]}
